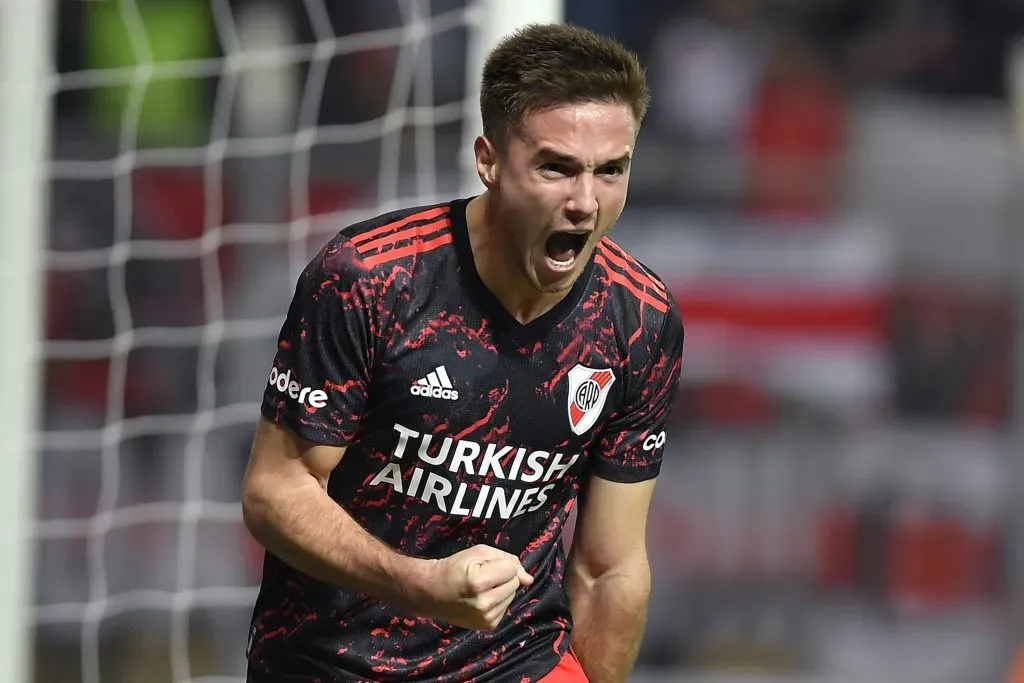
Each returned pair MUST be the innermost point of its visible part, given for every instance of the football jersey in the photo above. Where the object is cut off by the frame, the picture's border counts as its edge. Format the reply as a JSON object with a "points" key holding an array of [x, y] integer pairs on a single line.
{"points": [[463, 426]]}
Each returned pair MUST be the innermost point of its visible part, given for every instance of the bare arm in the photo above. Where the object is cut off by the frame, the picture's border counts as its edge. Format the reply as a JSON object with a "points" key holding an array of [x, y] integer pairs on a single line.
{"points": [[326, 349], [286, 508], [609, 579]]}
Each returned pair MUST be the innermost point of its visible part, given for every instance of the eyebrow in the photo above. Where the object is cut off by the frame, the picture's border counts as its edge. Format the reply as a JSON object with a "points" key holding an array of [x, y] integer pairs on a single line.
{"points": [[548, 153]]}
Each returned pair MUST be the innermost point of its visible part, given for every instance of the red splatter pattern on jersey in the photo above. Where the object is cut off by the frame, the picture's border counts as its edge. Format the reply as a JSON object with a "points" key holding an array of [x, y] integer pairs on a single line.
{"points": [[458, 424]]}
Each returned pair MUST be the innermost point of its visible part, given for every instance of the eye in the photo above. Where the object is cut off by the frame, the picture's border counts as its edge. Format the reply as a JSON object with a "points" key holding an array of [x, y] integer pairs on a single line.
{"points": [[612, 170], [554, 169]]}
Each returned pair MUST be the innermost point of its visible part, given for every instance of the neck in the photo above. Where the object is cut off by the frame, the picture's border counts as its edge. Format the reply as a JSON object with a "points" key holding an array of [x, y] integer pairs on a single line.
{"points": [[499, 273]]}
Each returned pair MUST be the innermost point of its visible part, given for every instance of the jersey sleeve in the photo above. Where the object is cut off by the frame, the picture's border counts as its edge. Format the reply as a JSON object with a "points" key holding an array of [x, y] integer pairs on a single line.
{"points": [[320, 377], [631, 447]]}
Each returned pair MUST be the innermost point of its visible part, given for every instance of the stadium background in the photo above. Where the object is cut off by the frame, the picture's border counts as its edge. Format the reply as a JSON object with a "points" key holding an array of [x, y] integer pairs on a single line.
{"points": [[832, 188]]}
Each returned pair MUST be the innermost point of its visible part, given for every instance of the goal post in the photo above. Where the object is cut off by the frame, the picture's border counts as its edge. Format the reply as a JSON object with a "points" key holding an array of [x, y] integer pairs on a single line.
{"points": [[495, 19], [25, 71]]}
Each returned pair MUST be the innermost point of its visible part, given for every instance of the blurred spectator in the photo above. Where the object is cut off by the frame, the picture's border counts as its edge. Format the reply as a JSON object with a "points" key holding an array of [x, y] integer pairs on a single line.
{"points": [[172, 105], [796, 136], [945, 47], [705, 68], [951, 353]]}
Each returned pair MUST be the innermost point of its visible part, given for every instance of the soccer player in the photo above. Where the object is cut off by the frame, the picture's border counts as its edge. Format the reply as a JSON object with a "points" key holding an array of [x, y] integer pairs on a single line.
{"points": [[449, 381]]}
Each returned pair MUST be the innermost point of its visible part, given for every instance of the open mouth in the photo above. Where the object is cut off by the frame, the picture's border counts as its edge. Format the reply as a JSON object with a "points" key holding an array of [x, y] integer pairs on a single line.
{"points": [[563, 247]]}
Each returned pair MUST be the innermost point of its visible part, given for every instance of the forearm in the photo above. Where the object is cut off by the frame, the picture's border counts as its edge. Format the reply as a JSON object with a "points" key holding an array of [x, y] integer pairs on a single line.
{"points": [[608, 614], [303, 526]]}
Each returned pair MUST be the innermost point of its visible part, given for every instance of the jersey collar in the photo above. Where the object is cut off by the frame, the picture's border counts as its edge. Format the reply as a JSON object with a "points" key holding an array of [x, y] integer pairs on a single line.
{"points": [[490, 303]]}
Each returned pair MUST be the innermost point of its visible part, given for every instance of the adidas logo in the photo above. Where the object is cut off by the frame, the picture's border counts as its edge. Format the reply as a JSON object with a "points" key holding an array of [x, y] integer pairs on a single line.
{"points": [[435, 385]]}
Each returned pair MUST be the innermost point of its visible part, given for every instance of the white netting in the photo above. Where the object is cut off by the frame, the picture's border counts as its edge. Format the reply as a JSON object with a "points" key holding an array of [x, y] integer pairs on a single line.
{"points": [[173, 249]]}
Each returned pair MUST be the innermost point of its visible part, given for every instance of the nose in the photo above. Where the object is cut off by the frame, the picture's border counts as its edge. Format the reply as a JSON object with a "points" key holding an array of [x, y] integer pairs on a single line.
{"points": [[582, 202]]}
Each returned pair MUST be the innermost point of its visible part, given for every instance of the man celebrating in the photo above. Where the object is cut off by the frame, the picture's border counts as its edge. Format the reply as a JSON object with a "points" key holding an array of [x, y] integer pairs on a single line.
{"points": [[449, 380]]}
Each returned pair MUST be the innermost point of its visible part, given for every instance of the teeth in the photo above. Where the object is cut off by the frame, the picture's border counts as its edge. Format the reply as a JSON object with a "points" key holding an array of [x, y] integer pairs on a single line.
{"points": [[566, 262]]}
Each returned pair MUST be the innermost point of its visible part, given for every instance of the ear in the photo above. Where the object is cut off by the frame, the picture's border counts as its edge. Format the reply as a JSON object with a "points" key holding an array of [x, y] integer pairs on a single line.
{"points": [[486, 156]]}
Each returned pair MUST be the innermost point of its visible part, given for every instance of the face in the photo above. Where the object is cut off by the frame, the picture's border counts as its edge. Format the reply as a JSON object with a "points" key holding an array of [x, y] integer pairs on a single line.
{"points": [[560, 186]]}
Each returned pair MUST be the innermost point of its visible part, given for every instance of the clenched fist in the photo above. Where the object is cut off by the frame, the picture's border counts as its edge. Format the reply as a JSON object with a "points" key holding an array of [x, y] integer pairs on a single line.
{"points": [[473, 588]]}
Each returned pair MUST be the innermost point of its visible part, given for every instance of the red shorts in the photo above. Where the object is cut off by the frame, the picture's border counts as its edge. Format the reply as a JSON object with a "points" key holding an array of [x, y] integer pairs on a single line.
{"points": [[568, 670]]}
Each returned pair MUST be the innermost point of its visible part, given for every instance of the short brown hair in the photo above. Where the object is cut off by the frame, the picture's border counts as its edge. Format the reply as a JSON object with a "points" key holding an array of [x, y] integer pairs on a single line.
{"points": [[545, 65]]}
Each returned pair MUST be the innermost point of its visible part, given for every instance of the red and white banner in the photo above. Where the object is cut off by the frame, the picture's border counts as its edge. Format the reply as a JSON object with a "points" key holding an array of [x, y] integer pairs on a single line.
{"points": [[800, 314]]}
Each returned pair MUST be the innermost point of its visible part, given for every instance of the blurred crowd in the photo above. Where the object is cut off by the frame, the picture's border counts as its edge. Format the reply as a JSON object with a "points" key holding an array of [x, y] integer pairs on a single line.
{"points": [[827, 185]]}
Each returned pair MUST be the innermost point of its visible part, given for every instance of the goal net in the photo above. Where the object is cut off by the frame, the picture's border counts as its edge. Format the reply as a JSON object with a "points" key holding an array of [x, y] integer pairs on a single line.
{"points": [[200, 153]]}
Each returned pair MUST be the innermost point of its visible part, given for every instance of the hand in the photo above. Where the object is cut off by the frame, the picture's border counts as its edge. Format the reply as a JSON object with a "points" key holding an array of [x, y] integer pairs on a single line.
{"points": [[473, 588]]}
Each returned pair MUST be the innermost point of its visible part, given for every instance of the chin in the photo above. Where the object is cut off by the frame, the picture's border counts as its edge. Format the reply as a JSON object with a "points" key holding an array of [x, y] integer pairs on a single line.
{"points": [[559, 286]]}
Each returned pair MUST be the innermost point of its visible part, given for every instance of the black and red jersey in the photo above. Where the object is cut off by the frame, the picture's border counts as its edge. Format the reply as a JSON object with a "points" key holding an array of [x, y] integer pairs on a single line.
{"points": [[462, 426]]}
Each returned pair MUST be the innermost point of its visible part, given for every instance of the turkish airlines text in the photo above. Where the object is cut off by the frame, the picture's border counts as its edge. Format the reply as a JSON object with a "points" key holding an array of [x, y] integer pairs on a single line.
{"points": [[453, 495]]}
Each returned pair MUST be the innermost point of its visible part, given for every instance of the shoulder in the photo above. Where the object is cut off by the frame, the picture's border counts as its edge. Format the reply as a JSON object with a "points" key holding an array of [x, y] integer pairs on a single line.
{"points": [[397, 235], [357, 265], [636, 290], [362, 250]]}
